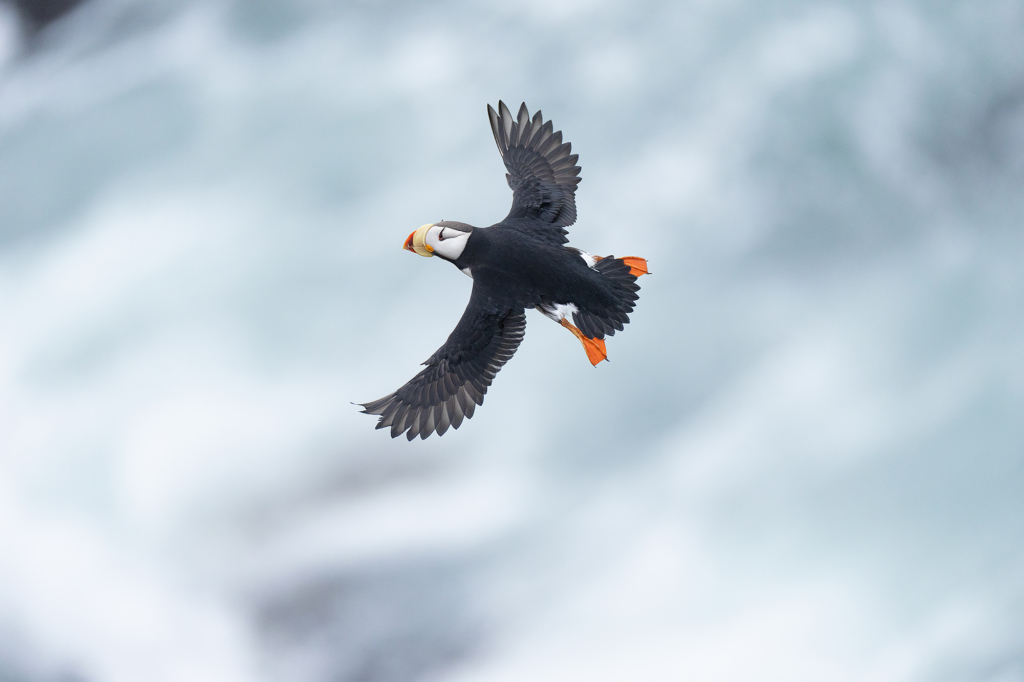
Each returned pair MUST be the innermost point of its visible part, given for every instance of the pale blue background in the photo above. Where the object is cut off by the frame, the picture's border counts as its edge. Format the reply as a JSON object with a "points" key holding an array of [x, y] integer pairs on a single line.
{"points": [[805, 460]]}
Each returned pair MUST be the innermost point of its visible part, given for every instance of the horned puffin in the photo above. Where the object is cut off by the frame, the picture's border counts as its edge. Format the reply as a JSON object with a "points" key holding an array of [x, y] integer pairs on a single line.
{"points": [[521, 262]]}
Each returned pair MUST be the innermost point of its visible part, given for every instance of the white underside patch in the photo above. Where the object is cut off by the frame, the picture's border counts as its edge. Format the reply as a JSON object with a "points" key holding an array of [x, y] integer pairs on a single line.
{"points": [[467, 272], [589, 259], [559, 311]]}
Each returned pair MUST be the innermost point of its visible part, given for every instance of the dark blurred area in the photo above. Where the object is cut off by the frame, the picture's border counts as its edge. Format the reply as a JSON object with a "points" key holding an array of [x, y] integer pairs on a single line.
{"points": [[38, 13]]}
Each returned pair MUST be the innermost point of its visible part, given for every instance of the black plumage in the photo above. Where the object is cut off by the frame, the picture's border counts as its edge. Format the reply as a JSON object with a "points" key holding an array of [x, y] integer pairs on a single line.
{"points": [[518, 263]]}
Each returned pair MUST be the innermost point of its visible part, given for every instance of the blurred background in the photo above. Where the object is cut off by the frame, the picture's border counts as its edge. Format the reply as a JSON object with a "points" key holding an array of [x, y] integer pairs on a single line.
{"points": [[805, 460]]}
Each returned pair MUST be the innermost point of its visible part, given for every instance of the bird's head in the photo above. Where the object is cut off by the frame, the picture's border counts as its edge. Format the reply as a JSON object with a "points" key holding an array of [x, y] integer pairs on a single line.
{"points": [[446, 239]]}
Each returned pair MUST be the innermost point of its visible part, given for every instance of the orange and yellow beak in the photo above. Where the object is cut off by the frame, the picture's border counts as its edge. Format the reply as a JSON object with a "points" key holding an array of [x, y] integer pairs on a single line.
{"points": [[417, 242]]}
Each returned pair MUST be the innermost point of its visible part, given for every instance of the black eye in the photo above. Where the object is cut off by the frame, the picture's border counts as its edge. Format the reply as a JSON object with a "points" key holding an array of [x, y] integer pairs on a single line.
{"points": [[440, 235]]}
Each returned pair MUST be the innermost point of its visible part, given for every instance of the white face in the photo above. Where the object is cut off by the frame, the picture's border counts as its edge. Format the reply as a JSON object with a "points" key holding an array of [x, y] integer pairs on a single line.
{"points": [[446, 241]]}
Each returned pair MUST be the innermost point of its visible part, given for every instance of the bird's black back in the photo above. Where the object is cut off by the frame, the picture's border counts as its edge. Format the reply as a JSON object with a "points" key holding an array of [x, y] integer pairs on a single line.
{"points": [[522, 271]]}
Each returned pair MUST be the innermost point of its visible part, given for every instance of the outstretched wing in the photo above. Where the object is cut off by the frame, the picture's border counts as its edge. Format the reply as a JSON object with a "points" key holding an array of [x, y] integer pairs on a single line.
{"points": [[457, 375], [542, 173]]}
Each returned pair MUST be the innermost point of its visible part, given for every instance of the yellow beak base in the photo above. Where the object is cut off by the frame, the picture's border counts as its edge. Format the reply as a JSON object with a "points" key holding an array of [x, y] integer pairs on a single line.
{"points": [[417, 242]]}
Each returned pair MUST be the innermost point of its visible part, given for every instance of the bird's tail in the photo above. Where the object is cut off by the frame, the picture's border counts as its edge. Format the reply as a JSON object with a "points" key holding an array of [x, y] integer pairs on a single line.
{"points": [[621, 274]]}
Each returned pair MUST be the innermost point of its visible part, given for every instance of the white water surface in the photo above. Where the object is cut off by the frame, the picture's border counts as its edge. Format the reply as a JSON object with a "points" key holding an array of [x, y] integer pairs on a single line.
{"points": [[805, 460]]}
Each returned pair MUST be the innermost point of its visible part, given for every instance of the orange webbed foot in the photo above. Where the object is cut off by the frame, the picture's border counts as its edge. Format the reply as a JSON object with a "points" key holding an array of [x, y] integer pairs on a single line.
{"points": [[637, 265], [595, 348]]}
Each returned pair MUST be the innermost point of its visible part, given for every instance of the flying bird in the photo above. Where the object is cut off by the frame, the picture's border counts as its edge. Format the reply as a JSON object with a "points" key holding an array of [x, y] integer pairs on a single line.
{"points": [[521, 262]]}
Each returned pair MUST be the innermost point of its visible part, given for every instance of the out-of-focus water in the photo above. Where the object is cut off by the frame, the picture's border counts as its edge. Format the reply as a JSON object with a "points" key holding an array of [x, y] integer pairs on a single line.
{"points": [[805, 460]]}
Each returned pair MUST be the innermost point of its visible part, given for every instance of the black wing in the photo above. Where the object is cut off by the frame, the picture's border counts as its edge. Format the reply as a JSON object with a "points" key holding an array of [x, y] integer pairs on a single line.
{"points": [[457, 375], [542, 173]]}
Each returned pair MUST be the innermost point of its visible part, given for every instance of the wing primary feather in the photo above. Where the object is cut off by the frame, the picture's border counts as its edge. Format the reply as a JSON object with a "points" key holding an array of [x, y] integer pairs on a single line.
{"points": [[428, 428], [450, 387], [523, 119], [399, 420], [552, 142], [463, 398], [506, 123], [475, 394], [375, 406], [434, 394], [398, 426], [443, 420], [455, 410], [414, 428], [535, 126], [560, 153], [492, 116], [542, 136], [388, 417]]}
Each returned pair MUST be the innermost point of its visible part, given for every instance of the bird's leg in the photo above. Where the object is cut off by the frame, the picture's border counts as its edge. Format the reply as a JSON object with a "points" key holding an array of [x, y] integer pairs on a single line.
{"points": [[594, 347]]}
